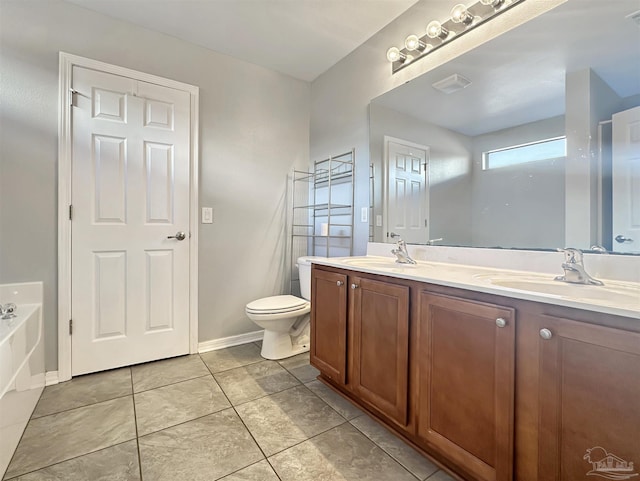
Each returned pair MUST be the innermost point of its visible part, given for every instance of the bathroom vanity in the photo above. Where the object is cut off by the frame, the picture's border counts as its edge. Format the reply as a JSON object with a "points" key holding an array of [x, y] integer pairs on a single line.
{"points": [[492, 382]]}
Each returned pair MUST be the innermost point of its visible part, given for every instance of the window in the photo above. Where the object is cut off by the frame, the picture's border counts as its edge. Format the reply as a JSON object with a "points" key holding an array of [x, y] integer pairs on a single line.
{"points": [[520, 154]]}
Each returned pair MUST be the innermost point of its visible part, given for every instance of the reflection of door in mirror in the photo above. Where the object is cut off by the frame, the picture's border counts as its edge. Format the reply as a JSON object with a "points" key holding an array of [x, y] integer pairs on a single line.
{"points": [[626, 181], [407, 187]]}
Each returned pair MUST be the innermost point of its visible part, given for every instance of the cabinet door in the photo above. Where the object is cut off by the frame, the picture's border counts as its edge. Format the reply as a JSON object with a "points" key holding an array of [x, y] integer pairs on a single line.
{"points": [[589, 399], [380, 347], [329, 324], [465, 357]]}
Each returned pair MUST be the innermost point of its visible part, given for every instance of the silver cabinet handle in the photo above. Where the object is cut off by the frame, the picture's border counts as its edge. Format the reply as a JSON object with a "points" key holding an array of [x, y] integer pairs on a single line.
{"points": [[179, 236], [500, 322], [354, 286], [339, 283], [546, 334], [620, 239]]}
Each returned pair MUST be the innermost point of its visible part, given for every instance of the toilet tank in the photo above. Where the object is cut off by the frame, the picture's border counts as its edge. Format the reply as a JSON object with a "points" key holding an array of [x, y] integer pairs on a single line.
{"points": [[304, 271]]}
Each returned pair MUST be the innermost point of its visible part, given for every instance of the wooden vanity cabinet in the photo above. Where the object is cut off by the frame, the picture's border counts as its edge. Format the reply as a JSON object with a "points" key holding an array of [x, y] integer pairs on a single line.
{"points": [[328, 351], [465, 354], [379, 327], [369, 320], [588, 391], [494, 388]]}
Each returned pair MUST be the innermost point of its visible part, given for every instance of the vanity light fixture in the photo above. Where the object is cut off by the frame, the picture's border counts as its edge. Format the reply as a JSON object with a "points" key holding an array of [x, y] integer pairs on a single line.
{"points": [[492, 3], [460, 14], [414, 43], [436, 30], [462, 19], [395, 55]]}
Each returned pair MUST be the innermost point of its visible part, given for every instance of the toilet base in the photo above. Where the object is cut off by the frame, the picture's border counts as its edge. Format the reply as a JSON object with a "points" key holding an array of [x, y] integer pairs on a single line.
{"points": [[279, 345]]}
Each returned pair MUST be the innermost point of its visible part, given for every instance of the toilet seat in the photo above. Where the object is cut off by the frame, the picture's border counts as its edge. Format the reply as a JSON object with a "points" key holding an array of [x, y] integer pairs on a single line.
{"points": [[286, 304], [286, 318]]}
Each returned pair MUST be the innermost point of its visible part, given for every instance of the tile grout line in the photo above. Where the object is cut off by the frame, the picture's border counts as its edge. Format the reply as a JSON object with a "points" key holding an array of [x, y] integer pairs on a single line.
{"points": [[21, 438], [345, 421], [299, 382], [65, 460], [83, 406], [185, 422], [363, 433], [245, 427], [135, 422], [308, 439], [387, 452], [238, 470], [318, 396], [236, 367], [170, 384]]}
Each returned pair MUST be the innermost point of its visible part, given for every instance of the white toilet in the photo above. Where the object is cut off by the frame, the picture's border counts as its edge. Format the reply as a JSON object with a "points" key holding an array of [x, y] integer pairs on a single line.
{"points": [[285, 319]]}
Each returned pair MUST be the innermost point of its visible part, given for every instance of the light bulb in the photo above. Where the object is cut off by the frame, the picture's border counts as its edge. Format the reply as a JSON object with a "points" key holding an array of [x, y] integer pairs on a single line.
{"points": [[414, 43], [492, 3], [460, 14], [436, 30], [394, 54]]}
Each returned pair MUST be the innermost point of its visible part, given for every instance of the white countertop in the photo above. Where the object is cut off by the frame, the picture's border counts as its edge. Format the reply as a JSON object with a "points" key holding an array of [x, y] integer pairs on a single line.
{"points": [[615, 297]]}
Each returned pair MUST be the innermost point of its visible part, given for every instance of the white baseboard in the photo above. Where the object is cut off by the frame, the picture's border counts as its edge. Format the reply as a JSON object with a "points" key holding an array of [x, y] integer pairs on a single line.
{"points": [[50, 378], [216, 344]]}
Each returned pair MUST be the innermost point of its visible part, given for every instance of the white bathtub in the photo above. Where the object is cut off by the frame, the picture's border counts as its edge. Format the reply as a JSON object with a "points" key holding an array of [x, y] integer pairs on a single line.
{"points": [[21, 364]]}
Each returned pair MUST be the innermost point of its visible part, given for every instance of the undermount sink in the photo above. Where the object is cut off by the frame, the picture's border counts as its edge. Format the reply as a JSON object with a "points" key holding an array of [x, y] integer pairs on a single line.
{"points": [[378, 263], [617, 293]]}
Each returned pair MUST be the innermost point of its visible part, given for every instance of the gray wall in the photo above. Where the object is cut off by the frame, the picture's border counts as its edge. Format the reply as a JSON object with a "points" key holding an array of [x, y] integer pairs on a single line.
{"points": [[521, 205], [450, 169], [254, 128], [589, 101]]}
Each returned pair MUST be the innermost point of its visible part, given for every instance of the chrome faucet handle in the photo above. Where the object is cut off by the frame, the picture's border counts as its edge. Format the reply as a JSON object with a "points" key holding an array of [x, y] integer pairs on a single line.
{"points": [[572, 255], [402, 253], [8, 310], [574, 271]]}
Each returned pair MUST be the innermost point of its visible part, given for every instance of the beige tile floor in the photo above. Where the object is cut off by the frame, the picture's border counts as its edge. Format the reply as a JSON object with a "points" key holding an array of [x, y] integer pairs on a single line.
{"points": [[222, 415]]}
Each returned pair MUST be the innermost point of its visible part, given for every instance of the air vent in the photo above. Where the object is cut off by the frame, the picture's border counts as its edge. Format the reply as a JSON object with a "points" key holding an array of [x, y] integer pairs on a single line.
{"points": [[635, 16], [452, 84]]}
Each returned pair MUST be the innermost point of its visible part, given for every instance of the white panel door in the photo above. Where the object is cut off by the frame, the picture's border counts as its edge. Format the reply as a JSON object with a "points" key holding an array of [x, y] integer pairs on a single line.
{"points": [[407, 193], [626, 181], [130, 192]]}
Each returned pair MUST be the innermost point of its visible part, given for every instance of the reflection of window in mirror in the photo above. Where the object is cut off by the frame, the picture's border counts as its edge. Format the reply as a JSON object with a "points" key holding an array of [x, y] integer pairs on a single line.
{"points": [[521, 154]]}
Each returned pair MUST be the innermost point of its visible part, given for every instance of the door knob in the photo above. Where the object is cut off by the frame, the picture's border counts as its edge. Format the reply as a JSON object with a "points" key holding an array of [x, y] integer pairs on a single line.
{"points": [[622, 239], [179, 236], [500, 322]]}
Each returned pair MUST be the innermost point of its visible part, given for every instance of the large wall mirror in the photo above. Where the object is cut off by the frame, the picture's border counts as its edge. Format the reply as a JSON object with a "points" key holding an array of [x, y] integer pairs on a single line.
{"points": [[541, 150]]}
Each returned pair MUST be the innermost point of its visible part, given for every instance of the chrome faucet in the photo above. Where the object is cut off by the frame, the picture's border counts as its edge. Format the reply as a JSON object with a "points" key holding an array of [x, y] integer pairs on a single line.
{"points": [[401, 253], [574, 269], [7, 311]]}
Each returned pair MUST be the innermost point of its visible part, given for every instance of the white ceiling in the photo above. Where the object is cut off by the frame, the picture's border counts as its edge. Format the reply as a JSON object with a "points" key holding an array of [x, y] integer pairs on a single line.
{"points": [[519, 77], [301, 38]]}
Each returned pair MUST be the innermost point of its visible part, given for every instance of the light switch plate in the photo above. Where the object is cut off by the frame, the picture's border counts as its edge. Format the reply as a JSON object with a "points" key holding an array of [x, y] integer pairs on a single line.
{"points": [[378, 221], [207, 215], [364, 214]]}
